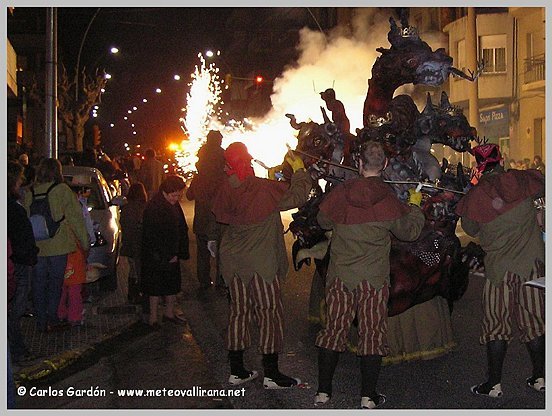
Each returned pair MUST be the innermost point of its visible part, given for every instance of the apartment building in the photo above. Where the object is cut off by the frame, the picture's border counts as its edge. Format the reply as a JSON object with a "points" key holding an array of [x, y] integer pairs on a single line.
{"points": [[510, 90]]}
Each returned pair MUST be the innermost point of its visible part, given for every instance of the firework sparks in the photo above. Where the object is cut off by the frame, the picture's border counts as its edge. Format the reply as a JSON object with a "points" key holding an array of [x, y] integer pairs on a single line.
{"points": [[203, 107], [266, 140]]}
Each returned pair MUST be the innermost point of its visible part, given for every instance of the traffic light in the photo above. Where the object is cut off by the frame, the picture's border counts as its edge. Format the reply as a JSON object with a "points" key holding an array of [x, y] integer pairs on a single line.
{"points": [[258, 81], [228, 80]]}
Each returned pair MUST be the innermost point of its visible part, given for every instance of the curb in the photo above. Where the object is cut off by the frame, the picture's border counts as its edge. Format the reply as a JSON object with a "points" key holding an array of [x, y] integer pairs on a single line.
{"points": [[71, 361]]}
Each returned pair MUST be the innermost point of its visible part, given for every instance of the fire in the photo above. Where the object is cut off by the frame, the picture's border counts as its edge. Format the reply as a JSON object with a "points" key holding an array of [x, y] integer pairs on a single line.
{"points": [[266, 140], [341, 62]]}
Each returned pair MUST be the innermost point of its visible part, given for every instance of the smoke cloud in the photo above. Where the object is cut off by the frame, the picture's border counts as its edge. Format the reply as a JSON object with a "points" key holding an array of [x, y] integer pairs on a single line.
{"points": [[341, 59]]}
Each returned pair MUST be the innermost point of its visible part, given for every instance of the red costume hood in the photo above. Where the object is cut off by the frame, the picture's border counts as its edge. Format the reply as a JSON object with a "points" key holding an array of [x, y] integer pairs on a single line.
{"points": [[248, 202], [497, 193], [363, 200]]}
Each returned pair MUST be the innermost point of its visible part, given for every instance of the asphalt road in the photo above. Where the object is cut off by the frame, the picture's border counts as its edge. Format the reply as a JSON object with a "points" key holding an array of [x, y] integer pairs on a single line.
{"points": [[440, 383], [183, 356]]}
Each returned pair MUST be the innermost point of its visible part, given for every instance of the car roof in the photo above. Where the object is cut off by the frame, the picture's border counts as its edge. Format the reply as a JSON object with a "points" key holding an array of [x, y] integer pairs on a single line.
{"points": [[81, 170]]}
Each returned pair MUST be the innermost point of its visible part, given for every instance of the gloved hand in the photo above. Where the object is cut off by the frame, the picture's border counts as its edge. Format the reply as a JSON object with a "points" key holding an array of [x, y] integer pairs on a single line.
{"points": [[294, 161], [212, 247], [414, 197], [273, 172]]}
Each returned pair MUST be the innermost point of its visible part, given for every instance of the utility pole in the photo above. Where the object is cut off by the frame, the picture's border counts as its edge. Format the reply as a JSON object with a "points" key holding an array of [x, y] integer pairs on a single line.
{"points": [[50, 130], [471, 62]]}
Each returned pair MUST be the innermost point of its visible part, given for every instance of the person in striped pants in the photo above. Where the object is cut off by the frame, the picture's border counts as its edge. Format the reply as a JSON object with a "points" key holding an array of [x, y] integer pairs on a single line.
{"points": [[253, 259], [500, 211], [362, 214]]}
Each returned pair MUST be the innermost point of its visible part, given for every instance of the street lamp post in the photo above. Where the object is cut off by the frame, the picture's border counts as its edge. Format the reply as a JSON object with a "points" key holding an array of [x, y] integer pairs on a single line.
{"points": [[79, 55], [51, 131]]}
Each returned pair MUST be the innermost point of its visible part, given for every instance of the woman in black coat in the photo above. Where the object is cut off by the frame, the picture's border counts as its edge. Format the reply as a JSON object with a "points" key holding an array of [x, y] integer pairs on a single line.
{"points": [[24, 256], [131, 243], [164, 242]]}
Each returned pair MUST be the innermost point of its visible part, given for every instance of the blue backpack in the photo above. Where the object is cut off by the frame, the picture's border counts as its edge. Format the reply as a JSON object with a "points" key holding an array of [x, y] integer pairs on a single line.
{"points": [[44, 225]]}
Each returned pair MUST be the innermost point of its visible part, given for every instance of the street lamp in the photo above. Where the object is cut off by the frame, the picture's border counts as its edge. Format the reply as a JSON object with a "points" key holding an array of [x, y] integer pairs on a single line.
{"points": [[79, 55]]}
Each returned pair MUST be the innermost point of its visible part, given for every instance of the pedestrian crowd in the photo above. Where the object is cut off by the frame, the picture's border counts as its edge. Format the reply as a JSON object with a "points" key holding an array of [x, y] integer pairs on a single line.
{"points": [[241, 250], [50, 234]]}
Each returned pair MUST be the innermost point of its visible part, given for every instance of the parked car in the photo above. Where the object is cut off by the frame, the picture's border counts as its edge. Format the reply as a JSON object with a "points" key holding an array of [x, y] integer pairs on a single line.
{"points": [[104, 208]]}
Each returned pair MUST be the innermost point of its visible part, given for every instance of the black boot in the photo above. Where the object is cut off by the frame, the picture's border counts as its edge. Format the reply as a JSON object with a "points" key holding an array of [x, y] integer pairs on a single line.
{"points": [[536, 348], [238, 373], [370, 366], [273, 379], [496, 351], [327, 361]]}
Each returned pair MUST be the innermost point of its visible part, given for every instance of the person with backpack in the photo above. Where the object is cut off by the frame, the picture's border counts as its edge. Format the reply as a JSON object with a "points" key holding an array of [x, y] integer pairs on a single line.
{"points": [[58, 228]]}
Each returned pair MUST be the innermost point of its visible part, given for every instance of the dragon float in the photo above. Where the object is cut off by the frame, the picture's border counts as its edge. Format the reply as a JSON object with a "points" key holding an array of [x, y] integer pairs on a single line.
{"points": [[435, 264]]}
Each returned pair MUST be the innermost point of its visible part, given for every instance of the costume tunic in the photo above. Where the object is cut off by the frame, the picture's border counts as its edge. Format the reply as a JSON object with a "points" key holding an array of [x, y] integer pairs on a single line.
{"points": [[362, 213], [500, 210], [253, 241]]}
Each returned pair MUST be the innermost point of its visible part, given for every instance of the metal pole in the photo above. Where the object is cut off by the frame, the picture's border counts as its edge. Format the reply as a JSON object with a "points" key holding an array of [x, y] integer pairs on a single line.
{"points": [[471, 62], [51, 131], [79, 55]]}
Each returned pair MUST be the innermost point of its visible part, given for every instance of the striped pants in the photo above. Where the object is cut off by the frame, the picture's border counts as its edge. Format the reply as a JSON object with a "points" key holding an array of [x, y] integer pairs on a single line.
{"points": [[259, 300], [512, 300], [370, 307]]}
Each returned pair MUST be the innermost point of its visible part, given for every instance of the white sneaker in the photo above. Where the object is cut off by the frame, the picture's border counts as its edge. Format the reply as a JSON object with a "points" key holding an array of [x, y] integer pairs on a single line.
{"points": [[235, 380], [321, 398], [282, 382], [369, 403], [495, 392], [536, 383]]}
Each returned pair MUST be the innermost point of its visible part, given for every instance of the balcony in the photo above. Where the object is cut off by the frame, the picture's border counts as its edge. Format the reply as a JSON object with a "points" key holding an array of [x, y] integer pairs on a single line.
{"points": [[534, 69]]}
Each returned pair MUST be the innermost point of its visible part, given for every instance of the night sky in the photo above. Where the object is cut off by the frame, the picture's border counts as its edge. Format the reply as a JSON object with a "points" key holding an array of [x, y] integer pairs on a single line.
{"points": [[155, 44]]}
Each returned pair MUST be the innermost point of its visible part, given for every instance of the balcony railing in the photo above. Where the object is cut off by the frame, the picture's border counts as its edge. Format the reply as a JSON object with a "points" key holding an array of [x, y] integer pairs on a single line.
{"points": [[534, 69]]}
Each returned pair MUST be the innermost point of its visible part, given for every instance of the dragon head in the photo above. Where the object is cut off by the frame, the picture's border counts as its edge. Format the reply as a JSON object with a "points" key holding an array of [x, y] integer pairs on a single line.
{"points": [[418, 63], [446, 124]]}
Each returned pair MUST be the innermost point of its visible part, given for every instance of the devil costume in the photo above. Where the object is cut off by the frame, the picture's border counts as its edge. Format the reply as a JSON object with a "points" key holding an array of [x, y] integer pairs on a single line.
{"points": [[253, 260], [500, 211], [363, 213]]}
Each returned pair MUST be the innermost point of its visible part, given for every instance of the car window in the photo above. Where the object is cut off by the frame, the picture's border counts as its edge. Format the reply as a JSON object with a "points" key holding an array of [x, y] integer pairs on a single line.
{"points": [[96, 199]]}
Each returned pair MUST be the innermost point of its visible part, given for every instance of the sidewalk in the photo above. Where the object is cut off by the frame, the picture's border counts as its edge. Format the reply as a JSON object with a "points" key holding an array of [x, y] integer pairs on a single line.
{"points": [[108, 315]]}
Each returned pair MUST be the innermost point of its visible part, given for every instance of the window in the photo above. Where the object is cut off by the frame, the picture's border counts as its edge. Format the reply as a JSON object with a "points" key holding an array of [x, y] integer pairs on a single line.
{"points": [[493, 53], [94, 200], [534, 69]]}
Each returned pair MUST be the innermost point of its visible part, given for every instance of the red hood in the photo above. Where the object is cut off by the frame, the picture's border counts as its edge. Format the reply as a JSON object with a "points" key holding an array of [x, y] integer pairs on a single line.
{"points": [[363, 200], [247, 202], [497, 193]]}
